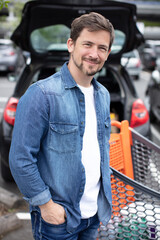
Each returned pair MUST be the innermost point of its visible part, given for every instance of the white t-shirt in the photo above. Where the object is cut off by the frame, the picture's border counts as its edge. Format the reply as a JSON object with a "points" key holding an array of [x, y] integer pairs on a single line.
{"points": [[90, 156]]}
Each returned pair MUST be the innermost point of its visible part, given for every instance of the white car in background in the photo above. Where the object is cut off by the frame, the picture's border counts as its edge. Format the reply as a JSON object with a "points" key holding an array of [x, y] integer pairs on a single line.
{"points": [[11, 57], [131, 60]]}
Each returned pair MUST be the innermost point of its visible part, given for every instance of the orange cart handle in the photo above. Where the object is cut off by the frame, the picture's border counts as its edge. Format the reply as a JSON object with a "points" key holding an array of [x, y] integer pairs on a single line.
{"points": [[119, 124], [124, 126], [116, 123]]}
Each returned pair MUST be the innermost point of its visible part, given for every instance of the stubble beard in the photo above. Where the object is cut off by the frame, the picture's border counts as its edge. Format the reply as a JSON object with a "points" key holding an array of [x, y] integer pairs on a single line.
{"points": [[81, 67]]}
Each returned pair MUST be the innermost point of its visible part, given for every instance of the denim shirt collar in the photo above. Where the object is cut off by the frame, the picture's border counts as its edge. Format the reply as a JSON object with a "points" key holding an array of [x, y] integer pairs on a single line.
{"points": [[69, 80]]}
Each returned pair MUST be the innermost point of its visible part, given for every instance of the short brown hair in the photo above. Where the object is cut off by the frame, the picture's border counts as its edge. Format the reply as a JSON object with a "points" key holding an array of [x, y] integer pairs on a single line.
{"points": [[93, 22]]}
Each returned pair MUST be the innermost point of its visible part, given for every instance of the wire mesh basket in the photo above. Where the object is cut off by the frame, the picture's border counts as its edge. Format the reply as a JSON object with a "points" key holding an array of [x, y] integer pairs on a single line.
{"points": [[136, 211], [135, 162], [146, 161], [135, 156]]}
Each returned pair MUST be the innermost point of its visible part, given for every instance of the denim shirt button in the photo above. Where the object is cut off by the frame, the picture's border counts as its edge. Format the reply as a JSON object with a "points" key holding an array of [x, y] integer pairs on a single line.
{"points": [[81, 123], [81, 190]]}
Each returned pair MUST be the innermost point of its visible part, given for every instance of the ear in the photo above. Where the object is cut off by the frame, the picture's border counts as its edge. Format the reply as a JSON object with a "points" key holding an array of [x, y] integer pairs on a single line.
{"points": [[70, 45]]}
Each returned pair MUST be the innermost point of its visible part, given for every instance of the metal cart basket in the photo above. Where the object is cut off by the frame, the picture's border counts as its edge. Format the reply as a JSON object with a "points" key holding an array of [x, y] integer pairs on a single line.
{"points": [[135, 156], [135, 162]]}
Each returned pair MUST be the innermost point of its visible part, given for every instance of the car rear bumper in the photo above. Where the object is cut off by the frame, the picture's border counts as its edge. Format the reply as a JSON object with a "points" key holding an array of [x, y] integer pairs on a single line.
{"points": [[144, 130]]}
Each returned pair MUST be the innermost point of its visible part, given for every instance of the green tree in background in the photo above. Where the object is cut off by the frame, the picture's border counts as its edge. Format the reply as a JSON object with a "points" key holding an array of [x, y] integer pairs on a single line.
{"points": [[3, 3]]}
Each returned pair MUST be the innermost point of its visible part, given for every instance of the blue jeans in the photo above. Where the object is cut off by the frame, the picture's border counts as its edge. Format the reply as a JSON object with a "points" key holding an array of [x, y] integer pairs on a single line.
{"points": [[87, 230]]}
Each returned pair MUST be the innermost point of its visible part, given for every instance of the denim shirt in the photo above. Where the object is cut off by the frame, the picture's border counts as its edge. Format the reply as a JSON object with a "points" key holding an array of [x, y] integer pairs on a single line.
{"points": [[45, 153]]}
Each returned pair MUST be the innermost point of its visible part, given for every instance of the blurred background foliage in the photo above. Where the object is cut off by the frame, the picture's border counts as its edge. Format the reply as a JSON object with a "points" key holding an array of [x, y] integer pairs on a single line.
{"points": [[3, 3], [10, 22]]}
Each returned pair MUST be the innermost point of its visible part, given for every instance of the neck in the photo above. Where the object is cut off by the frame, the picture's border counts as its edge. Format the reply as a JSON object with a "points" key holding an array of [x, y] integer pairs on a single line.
{"points": [[79, 77]]}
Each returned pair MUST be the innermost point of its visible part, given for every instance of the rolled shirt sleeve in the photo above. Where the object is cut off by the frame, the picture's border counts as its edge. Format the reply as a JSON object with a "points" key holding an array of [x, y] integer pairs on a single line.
{"points": [[39, 199]]}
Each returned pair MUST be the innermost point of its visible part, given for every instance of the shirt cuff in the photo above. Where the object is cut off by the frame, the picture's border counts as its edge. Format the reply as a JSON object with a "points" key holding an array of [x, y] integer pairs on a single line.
{"points": [[39, 199]]}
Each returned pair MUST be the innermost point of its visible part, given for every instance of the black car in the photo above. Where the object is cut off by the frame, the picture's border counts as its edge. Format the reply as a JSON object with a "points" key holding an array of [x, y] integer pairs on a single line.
{"points": [[148, 55], [43, 32]]}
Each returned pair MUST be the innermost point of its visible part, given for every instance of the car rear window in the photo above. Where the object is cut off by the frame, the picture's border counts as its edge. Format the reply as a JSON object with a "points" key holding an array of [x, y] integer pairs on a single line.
{"points": [[50, 38], [54, 38], [129, 54], [5, 46]]}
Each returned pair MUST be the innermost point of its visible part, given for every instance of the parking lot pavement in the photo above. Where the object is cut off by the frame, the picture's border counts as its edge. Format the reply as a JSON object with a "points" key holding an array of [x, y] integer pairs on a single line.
{"points": [[15, 225], [22, 233]]}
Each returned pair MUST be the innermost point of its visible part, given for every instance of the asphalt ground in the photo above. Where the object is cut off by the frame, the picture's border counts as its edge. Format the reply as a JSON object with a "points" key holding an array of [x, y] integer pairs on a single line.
{"points": [[22, 233]]}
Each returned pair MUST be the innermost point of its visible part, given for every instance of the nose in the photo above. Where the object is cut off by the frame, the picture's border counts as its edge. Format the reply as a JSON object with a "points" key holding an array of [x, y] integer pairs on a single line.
{"points": [[94, 52]]}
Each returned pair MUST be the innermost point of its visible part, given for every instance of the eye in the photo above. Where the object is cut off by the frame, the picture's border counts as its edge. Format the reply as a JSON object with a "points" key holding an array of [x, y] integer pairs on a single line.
{"points": [[103, 49], [87, 44]]}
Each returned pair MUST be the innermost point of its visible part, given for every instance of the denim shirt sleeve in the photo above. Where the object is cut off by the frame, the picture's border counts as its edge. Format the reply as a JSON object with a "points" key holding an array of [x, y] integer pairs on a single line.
{"points": [[31, 124]]}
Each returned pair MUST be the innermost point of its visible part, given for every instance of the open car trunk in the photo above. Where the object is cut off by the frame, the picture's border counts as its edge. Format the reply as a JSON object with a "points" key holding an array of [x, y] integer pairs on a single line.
{"points": [[45, 26]]}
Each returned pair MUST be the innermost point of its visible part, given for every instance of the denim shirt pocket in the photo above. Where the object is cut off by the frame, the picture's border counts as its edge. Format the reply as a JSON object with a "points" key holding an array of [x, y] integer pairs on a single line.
{"points": [[63, 137]]}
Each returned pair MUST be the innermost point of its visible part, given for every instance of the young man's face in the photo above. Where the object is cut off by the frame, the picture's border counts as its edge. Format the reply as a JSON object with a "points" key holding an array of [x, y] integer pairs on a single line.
{"points": [[90, 51]]}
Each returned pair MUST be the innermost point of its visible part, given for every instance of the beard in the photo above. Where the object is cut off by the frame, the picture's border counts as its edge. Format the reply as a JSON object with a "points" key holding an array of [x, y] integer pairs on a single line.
{"points": [[90, 71]]}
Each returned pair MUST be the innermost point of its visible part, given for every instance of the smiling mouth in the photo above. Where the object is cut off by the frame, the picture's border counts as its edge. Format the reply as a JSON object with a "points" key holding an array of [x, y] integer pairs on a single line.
{"points": [[92, 61]]}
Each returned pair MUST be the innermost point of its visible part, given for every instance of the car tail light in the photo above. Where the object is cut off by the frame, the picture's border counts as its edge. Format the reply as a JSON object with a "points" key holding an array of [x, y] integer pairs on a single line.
{"points": [[153, 63], [12, 53], [138, 63], [139, 114], [10, 110]]}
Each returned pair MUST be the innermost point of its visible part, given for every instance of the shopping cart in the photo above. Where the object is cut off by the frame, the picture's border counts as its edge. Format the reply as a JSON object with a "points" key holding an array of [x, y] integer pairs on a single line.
{"points": [[135, 162], [135, 156]]}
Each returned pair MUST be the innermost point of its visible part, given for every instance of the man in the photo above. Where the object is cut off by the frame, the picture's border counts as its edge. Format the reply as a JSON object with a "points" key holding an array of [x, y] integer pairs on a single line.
{"points": [[59, 154]]}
